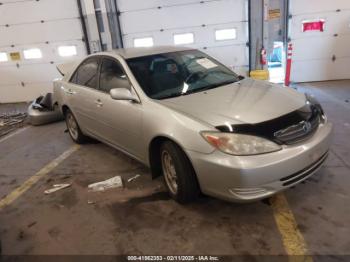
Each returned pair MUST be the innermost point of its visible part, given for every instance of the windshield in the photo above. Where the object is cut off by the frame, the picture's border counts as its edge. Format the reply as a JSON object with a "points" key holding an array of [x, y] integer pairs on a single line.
{"points": [[174, 74]]}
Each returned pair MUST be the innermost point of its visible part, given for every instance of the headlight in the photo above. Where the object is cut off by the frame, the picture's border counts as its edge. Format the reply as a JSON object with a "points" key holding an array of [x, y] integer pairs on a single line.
{"points": [[313, 101], [240, 145]]}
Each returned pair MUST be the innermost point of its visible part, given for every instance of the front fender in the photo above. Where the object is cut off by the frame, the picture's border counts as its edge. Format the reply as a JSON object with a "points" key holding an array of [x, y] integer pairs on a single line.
{"points": [[160, 121]]}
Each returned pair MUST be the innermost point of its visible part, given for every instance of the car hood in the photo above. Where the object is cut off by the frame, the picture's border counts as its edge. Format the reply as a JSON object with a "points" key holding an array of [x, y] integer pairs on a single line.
{"points": [[246, 102]]}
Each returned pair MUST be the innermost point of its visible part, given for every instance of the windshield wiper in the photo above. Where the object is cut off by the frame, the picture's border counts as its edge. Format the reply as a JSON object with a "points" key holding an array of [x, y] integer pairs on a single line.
{"points": [[209, 87], [197, 90], [169, 96]]}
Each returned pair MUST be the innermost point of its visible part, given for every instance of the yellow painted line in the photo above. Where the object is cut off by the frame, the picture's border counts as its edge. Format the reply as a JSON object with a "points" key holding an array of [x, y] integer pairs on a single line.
{"points": [[293, 241], [14, 134], [34, 179]]}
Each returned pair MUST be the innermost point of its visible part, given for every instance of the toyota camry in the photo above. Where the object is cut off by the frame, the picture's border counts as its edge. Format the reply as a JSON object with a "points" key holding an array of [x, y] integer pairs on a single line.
{"points": [[194, 121]]}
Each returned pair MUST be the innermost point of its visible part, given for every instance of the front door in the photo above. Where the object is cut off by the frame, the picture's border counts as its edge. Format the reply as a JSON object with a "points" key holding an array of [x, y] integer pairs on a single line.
{"points": [[120, 121]]}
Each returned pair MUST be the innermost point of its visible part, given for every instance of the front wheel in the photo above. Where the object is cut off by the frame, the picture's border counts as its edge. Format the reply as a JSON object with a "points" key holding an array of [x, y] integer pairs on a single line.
{"points": [[179, 174], [74, 129]]}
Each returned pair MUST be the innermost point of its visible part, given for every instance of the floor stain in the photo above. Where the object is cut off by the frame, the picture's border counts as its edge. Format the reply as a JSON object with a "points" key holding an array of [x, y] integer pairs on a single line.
{"points": [[20, 235], [54, 232], [159, 196], [32, 224]]}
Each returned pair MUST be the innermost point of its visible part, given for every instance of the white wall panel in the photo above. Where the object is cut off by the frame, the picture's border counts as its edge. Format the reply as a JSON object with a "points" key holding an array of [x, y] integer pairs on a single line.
{"points": [[49, 51], [8, 76], [34, 11], [137, 5], [203, 36], [24, 78], [32, 73], [227, 54], [319, 48], [27, 93], [183, 16], [319, 70], [161, 19], [319, 56], [44, 24], [336, 22], [39, 33], [317, 6]]}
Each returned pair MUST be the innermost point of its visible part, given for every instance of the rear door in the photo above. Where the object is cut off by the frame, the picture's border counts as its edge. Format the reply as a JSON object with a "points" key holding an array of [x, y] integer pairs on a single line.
{"points": [[120, 122], [82, 94], [320, 33]]}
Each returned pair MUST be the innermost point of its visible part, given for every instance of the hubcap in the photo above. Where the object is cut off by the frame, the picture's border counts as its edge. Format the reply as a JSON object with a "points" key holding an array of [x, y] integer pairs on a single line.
{"points": [[169, 172], [72, 126]]}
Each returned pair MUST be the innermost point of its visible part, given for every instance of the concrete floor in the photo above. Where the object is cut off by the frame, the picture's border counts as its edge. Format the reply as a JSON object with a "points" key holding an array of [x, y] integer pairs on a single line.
{"points": [[141, 219]]}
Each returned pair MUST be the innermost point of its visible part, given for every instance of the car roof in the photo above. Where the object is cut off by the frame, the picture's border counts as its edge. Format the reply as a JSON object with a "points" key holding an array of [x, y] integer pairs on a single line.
{"points": [[144, 51]]}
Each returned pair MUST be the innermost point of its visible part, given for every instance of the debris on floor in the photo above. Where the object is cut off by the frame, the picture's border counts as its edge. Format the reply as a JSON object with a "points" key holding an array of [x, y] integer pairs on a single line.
{"points": [[133, 178], [32, 224], [10, 122], [56, 188], [43, 111], [113, 182], [20, 235]]}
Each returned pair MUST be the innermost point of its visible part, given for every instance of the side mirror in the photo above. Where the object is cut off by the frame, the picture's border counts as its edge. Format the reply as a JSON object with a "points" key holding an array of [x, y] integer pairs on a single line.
{"points": [[123, 94]]}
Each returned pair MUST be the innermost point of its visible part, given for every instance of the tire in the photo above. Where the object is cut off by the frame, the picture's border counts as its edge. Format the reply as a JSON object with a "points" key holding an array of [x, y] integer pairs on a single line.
{"points": [[74, 129], [183, 187]]}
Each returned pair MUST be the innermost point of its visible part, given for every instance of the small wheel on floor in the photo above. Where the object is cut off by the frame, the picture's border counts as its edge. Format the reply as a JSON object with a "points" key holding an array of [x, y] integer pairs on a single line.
{"points": [[179, 175]]}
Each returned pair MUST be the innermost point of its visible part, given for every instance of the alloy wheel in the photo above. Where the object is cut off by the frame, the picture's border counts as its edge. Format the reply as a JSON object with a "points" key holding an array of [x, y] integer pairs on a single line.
{"points": [[72, 126], [169, 172]]}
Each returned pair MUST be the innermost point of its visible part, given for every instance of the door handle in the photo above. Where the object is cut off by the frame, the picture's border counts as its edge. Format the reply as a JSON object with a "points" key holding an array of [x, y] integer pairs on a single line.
{"points": [[99, 103], [69, 91]]}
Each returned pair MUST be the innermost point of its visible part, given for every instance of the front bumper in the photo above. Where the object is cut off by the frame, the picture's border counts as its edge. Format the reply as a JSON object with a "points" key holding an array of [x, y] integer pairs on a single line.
{"points": [[248, 178]]}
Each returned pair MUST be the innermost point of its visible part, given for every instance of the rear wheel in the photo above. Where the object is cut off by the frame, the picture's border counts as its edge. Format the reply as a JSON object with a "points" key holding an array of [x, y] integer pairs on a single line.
{"points": [[178, 172], [74, 129]]}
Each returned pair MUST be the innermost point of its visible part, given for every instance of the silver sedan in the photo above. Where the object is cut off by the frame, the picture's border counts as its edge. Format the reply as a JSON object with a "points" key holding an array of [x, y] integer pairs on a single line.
{"points": [[194, 121]]}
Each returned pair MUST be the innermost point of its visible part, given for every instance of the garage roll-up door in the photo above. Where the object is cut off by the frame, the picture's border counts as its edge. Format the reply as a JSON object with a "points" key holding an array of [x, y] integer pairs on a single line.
{"points": [[35, 37], [218, 27], [320, 34]]}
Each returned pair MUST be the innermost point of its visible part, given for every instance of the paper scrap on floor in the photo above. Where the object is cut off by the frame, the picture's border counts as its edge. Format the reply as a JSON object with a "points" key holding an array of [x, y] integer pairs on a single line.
{"points": [[113, 182], [133, 178], [56, 188]]}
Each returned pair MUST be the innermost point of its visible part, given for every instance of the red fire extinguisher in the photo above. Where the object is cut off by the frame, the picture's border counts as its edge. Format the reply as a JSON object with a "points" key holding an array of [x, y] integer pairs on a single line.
{"points": [[263, 56]]}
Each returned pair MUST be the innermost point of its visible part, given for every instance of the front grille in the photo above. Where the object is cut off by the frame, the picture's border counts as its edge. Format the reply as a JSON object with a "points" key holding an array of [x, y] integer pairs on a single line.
{"points": [[299, 132], [292, 179]]}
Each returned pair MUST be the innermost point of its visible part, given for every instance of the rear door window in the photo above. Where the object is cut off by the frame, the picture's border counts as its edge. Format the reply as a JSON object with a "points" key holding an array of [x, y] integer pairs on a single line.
{"points": [[112, 76], [87, 73]]}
